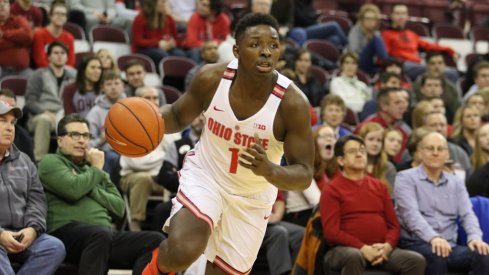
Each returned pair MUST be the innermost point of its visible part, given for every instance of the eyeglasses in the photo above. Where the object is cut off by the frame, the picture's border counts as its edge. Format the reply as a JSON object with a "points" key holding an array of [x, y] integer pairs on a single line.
{"points": [[151, 97], [432, 149], [77, 135], [355, 151]]}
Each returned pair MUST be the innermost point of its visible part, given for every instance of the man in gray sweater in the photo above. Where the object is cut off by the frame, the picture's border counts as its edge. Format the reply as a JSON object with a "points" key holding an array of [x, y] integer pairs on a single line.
{"points": [[43, 96]]}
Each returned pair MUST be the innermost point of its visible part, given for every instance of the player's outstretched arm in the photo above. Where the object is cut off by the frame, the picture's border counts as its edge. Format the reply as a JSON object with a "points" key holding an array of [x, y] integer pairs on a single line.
{"points": [[191, 104], [295, 122]]}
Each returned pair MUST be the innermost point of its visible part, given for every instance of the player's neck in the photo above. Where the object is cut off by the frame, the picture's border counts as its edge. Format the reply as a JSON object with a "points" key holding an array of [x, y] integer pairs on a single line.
{"points": [[253, 86]]}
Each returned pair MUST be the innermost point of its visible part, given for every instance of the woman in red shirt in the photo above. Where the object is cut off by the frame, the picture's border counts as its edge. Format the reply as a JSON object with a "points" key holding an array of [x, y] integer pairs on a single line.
{"points": [[154, 32]]}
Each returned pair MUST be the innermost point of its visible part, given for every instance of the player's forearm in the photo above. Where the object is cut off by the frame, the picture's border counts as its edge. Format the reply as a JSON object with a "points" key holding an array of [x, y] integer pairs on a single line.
{"points": [[296, 177], [172, 123]]}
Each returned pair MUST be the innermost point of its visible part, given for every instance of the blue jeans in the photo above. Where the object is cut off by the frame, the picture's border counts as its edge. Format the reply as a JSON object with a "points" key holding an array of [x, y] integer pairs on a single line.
{"points": [[111, 160], [44, 256], [330, 31], [374, 48], [413, 70], [461, 258]]}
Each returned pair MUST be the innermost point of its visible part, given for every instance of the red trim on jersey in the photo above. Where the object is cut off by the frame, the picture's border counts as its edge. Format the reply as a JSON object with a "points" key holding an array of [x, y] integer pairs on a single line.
{"points": [[194, 209], [278, 90], [229, 74], [227, 268]]}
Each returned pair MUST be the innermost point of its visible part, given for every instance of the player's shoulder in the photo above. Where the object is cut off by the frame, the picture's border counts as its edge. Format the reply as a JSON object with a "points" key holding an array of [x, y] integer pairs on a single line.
{"points": [[294, 98], [207, 78]]}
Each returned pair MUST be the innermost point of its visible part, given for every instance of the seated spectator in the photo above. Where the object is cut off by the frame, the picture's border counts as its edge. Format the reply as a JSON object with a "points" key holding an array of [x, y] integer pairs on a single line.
{"points": [[392, 143], [107, 60], [467, 121], [404, 45], [435, 68], [378, 165], [477, 182], [413, 148], [430, 86], [53, 32], [481, 79], [43, 96], [386, 80], [391, 105], [333, 111], [88, 86], [22, 139], [209, 55], [138, 174], [347, 85], [422, 109], [306, 26], [154, 33], [23, 208], [15, 41], [393, 65], [437, 122], [354, 201], [181, 11], [299, 205], [429, 202], [135, 75], [101, 12], [469, 76], [207, 23], [308, 84], [477, 100], [112, 91], [30, 12], [81, 200], [365, 40]]}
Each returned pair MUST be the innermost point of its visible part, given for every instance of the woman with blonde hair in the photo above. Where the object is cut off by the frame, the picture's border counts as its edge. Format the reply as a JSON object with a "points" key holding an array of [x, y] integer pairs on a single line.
{"points": [[365, 40], [466, 121], [477, 184], [420, 111], [378, 165], [108, 61]]}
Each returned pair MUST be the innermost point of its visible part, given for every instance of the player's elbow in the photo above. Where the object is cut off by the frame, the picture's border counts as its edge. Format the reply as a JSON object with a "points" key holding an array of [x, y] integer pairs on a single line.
{"points": [[306, 180]]}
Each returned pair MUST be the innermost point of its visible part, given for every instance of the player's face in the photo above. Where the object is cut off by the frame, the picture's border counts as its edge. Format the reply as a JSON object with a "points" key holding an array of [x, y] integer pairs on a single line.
{"points": [[258, 50], [74, 145]]}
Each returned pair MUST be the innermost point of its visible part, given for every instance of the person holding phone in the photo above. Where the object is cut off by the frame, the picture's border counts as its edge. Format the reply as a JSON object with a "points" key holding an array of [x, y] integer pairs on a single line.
{"points": [[23, 208]]}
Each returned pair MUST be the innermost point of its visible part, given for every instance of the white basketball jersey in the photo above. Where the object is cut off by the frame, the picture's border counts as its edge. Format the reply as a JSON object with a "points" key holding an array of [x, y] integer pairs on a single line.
{"points": [[224, 137]]}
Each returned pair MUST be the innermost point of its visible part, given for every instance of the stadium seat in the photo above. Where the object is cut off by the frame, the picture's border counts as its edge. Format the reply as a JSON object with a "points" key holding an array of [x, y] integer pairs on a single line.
{"points": [[447, 31], [16, 84], [81, 43], [322, 48], [171, 93], [115, 39], [344, 22], [419, 28], [173, 70], [320, 74], [152, 77], [479, 36]]}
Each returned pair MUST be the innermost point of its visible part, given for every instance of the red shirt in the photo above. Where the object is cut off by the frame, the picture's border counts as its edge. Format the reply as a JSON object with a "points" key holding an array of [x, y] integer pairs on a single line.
{"points": [[15, 42], [144, 37], [33, 14], [405, 44], [355, 213], [200, 30], [42, 39]]}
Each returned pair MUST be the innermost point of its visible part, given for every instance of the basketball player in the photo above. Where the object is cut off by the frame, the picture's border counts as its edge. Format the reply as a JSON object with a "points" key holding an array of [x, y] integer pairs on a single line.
{"points": [[229, 181]]}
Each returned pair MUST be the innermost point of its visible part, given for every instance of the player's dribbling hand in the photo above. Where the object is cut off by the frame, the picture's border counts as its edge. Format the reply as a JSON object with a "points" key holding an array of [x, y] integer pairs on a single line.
{"points": [[255, 158]]}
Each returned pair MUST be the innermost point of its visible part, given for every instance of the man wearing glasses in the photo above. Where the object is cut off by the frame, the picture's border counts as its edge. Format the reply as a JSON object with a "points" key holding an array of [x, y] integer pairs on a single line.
{"points": [[429, 203], [350, 204], [81, 198]]}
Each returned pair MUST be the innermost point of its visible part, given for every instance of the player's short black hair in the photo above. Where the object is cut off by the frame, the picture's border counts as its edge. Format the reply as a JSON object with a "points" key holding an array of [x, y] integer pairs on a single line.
{"points": [[339, 147], [251, 20]]}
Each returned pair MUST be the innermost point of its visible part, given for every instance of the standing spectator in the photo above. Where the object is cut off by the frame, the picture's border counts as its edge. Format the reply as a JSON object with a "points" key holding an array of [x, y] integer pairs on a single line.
{"points": [[347, 85], [467, 121], [15, 42], [354, 201], [154, 32], [391, 106], [99, 12], [112, 91], [43, 96], [378, 165], [333, 111], [209, 55], [108, 61], [30, 12], [81, 199], [88, 86], [429, 203], [308, 84], [365, 40], [23, 208], [404, 45], [53, 32], [477, 184], [207, 23]]}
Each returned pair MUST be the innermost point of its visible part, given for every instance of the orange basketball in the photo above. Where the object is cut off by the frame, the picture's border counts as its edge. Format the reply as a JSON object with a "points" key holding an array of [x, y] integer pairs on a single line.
{"points": [[134, 127]]}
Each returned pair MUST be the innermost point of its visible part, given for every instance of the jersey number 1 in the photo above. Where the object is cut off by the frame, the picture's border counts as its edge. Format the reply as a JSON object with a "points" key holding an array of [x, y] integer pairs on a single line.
{"points": [[234, 160]]}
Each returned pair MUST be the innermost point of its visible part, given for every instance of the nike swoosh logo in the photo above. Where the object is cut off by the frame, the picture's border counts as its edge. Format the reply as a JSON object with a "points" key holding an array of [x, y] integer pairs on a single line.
{"points": [[217, 109]]}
